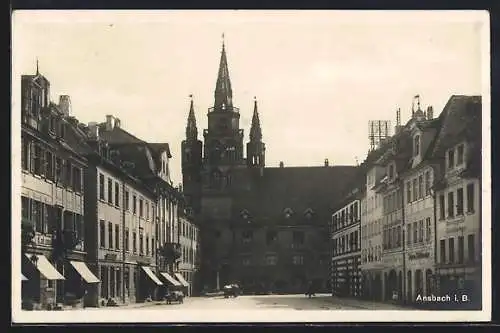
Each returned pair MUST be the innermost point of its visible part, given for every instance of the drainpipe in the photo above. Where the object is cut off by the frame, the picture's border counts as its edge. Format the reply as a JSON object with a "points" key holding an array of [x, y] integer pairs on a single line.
{"points": [[433, 193], [123, 241], [403, 238]]}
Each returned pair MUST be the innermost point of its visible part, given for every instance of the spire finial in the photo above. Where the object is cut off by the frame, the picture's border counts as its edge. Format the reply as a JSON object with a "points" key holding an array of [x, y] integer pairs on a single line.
{"points": [[37, 71], [223, 42]]}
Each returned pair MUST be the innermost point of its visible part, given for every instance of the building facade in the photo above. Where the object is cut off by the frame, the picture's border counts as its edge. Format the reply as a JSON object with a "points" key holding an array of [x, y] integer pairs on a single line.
{"points": [[458, 201], [256, 222], [371, 235], [120, 223], [346, 242], [188, 265], [52, 201], [394, 160], [419, 221]]}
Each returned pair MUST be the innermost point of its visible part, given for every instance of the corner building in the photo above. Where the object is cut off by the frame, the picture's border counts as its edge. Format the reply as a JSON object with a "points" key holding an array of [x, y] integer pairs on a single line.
{"points": [[266, 228], [53, 241]]}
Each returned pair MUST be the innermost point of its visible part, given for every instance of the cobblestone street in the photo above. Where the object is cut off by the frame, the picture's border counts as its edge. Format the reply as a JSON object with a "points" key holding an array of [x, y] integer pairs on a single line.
{"points": [[288, 302]]}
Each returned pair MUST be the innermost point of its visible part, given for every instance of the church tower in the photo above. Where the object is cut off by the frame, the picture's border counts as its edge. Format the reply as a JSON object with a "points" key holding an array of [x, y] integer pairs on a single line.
{"points": [[256, 149], [223, 139], [192, 162]]}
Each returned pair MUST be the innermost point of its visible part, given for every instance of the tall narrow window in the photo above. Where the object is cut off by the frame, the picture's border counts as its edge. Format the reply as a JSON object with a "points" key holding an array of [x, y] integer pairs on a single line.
{"points": [[415, 189], [408, 192], [37, 160], [134, 242], [25, 154], [470, 198], [101, 187], [102, 234], [471, 248], [141, 212], [117, 237], [141, 243], [428, 229], [68, 174], [117, 194], [460, 201], [415, 232], [451, 246], [126, 241], [441, 207], [420, 186], [110, 235], [77, 179], [451, 204], [134, 204], [427, 183], [408, 234], [460, 249], [442, 250], [451, 158], [127, 200], [49, 165], [110, 191], [421, 230], [460, 154]]}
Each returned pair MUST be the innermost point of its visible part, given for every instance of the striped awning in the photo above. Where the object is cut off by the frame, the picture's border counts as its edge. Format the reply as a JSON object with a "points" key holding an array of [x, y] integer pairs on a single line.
{"points": [[181, 279], [44, 266], [151, 275], [170, 279]]}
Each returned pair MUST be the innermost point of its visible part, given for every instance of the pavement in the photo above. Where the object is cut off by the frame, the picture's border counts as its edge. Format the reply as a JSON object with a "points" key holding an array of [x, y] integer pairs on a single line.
{"points": [[260, 302]]}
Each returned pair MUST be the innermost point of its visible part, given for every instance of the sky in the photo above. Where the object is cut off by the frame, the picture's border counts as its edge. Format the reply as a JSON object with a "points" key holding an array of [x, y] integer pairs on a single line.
{"points": [[318, 76]]}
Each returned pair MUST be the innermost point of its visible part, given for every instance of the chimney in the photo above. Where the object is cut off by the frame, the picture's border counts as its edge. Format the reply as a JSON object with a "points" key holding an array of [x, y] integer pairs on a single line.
{"points": [[430, 113], [326, 162], [65, 104], [93, 130], [110, 122], [282, 165], [117, 122]]}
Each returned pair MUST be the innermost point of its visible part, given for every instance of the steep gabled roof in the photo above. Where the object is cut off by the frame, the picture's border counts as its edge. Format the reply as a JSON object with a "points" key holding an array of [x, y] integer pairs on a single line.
{"points": [[460, 117], [297, 188]]}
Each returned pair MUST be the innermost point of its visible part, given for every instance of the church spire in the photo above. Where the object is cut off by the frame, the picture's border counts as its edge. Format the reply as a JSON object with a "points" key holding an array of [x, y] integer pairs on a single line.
{"points": [[223, 92], [191, 129], [255, 130]]}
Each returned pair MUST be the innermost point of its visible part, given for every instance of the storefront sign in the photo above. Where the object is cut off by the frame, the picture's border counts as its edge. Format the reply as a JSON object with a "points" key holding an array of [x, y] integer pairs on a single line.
{"points": [[43, 240], [419, 255], [110, 256]]}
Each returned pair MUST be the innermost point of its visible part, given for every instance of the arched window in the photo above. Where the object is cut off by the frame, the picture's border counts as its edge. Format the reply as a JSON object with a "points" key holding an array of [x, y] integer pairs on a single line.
{"points": [[288, 212]]}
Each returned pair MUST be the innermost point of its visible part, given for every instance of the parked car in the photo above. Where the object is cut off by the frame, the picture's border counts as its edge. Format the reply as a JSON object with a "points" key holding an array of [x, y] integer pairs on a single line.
{"points": [[174, 296], [231, 290]]}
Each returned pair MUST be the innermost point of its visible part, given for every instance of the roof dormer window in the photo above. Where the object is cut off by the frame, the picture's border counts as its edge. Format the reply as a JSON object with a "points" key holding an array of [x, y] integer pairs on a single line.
{"points": [[390, 173], [460, 154], [451, 158], [416, 145]]}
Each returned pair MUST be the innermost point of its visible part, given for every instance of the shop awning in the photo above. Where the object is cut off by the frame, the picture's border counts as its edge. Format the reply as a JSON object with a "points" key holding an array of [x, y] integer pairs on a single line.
{"points": [[152, 275], [170, 279], [23, 278], [84, 272], [181, 279], [44, 266]]}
